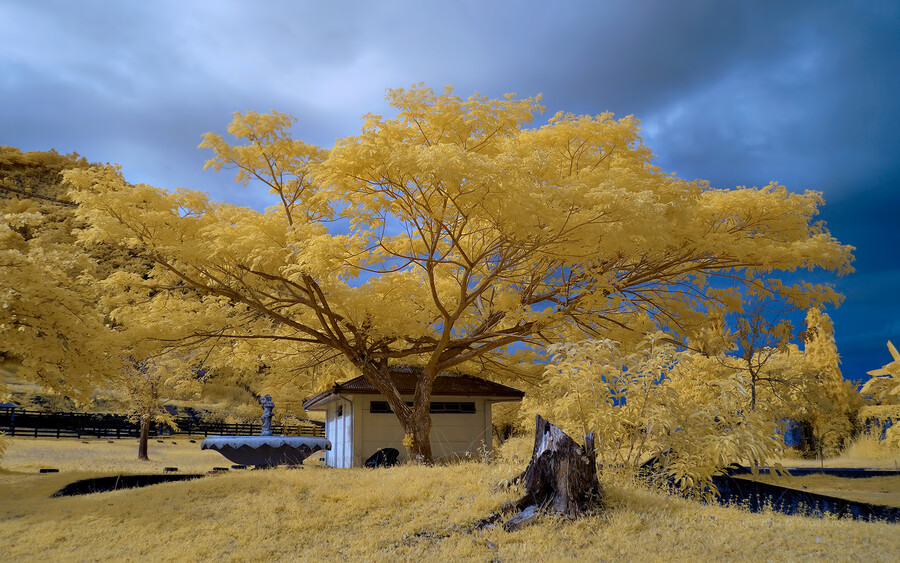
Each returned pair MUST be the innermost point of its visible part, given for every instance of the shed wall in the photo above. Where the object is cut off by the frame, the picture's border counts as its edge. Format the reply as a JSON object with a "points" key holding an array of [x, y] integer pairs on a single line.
{"points": [[339, 429], [453, 435]]}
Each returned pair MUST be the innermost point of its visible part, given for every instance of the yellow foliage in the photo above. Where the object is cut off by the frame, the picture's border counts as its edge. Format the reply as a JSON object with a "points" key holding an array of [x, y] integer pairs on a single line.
{"points": [[830, 403], [650, 401], [148, 384], [884, 386], [787, 382], [442, 237], [49, 320], [871, 444], [879, 412]]}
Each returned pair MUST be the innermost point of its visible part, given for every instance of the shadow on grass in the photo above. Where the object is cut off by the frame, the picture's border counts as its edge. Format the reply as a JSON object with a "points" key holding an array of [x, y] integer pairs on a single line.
{"points": [[758, 497], [116, 482]]}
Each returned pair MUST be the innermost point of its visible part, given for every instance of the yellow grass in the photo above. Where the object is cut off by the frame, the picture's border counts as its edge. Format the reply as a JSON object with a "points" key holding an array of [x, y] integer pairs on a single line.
{"points": [[405, 513], [108, 457], [866, 450], [844, 460], [875, 490], [869, 445]]}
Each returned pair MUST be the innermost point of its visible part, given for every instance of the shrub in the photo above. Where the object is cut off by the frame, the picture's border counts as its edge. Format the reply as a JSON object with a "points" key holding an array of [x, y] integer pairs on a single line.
{"points": [[651, 402]]}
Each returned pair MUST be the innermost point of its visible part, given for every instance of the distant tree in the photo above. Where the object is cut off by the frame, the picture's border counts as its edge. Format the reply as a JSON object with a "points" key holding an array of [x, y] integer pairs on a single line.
{"points": [[447, 237], [147, 385], [827, 402], [785, 381], [761, 335]]}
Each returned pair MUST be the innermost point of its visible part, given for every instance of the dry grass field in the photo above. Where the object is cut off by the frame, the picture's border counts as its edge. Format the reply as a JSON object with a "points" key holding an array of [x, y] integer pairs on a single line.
{"points": [[403, 513], [874, 490]]}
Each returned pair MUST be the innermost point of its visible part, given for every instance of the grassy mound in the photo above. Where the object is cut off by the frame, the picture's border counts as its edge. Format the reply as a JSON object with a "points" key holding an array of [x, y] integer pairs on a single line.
{"points": [[358, 514]]}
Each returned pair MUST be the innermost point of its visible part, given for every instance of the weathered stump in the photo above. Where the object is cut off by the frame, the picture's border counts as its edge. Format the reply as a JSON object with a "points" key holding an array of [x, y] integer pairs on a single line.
{"points": [[561, 477]]}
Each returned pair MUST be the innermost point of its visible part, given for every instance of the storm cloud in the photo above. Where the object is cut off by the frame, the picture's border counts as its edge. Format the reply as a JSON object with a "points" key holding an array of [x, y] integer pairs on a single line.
{"points": [[804, 93]]}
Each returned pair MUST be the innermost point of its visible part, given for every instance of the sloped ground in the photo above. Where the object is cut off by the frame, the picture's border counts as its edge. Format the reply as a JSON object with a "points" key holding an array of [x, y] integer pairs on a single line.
{"points": [[399, 513], [874, 490]]}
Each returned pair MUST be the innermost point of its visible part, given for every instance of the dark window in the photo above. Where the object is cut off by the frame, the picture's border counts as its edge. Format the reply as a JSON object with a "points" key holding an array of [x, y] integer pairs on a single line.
{"points": [[380, 407], [340, 411], [452, 407], [437, 407]]}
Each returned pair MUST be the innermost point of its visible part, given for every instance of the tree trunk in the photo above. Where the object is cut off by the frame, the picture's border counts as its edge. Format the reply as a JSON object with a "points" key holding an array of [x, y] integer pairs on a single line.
{"points": [[561, 477], [418, 429], [415, 420], [142, 441], [752, 390]]}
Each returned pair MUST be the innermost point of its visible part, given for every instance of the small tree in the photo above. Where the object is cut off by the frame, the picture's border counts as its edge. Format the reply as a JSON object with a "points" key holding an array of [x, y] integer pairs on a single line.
{"points": [[786, 381], [759, 340], [831, 403], [147, 385]]}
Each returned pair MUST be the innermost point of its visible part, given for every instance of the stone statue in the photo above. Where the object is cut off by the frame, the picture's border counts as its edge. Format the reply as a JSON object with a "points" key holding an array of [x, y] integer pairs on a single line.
{"points": [[267, 405]]}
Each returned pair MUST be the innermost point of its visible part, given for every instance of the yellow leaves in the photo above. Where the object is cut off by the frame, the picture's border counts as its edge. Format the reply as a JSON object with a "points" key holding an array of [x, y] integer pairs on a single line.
{"points": [[479, 121], [451, 232], [148, 383], [772, 228], [884, 385], [646, 399], [272, 157], [49, 318]]}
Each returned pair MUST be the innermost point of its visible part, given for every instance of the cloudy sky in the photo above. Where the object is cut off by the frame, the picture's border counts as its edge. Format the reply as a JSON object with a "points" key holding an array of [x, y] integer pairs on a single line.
{"points": [[737, 93]]}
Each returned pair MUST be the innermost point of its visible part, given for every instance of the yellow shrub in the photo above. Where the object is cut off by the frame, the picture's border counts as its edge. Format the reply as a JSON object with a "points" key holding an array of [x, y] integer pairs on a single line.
{"points": [[641, 406]]}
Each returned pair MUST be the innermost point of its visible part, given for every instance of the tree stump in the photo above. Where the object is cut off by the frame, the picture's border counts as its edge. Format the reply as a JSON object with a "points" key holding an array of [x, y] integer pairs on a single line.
{"points": [[561, 477]]}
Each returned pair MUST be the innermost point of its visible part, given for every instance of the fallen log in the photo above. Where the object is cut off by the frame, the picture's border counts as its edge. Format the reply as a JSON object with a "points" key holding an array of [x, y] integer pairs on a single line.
{"points": [[561, 477]]}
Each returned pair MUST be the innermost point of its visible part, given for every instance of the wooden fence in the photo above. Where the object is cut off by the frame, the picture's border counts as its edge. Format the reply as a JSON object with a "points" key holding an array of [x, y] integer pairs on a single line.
{"points": [[22, 422]]}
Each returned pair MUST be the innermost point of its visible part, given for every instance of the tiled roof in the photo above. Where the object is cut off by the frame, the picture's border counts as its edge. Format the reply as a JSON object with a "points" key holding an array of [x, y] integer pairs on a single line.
{"points": [[405, 379]]}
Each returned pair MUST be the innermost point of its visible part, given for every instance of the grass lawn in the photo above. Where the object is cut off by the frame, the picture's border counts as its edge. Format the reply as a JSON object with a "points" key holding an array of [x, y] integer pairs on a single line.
{"points": [[406, 513], [874, 490]]}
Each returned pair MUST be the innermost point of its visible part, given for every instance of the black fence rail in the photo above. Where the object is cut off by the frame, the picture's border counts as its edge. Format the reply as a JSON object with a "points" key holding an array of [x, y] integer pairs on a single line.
{"points": [[38, 424]]}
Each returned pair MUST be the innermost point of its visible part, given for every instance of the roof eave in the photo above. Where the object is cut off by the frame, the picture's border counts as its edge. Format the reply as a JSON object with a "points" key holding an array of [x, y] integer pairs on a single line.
{"points": [[318, 401]]}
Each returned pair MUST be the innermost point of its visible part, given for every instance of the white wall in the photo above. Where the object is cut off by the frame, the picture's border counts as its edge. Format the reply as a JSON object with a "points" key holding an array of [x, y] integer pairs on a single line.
{"points": [[339, 423], [452, 434]]}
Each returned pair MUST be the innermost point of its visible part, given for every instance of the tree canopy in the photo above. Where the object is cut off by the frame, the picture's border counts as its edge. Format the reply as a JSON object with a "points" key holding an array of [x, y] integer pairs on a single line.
{"points": [[448, 236]]}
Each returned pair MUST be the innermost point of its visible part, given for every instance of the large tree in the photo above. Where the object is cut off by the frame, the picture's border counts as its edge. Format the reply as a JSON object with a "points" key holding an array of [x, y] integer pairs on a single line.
{"points": [[448, 236]]}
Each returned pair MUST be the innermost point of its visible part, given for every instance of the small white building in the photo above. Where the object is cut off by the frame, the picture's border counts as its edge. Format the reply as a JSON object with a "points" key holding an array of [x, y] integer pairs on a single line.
{"points": [[359, 421]]}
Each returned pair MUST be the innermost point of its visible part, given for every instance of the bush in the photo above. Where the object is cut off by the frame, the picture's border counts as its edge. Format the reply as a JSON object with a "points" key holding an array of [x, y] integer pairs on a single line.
{"points": [[651, 402]]}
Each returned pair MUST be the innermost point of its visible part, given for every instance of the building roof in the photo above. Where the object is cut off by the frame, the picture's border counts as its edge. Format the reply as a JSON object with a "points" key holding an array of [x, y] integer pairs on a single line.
{"points": [[405, 379]]}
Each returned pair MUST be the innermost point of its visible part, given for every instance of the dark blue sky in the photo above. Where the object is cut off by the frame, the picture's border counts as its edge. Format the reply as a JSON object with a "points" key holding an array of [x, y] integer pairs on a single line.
{"points": [[737, 93]]}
